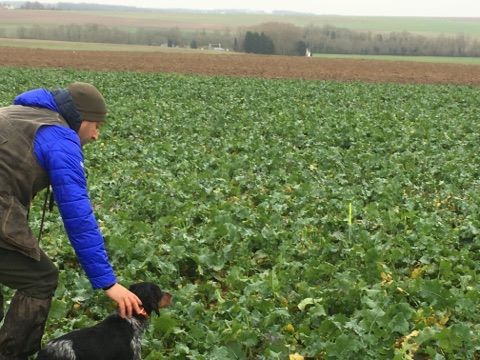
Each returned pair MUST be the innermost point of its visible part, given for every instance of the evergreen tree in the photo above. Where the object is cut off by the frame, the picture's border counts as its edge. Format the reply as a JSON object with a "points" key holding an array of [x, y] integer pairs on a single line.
{"points": [[258, 43], [301, 48], [235, 45]]}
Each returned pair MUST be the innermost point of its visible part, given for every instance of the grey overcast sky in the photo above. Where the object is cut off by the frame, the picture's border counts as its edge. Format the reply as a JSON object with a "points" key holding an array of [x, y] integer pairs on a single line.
{"points": [[437, 8]]}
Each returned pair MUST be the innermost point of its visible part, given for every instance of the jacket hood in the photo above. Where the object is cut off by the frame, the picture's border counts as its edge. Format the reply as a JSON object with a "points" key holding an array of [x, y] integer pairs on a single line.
{"points": [[59, 101], [37, 98]]}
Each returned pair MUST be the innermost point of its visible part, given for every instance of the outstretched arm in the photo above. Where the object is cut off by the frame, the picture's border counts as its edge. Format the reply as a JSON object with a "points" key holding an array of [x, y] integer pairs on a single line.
{"points": [[59, 152]]}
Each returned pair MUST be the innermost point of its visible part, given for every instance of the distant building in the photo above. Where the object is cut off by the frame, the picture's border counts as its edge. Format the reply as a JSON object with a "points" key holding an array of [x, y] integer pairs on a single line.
{"points": [[217, 47], [308, 53]]}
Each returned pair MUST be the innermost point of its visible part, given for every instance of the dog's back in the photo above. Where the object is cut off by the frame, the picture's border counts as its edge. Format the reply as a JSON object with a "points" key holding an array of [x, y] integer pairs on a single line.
{"points": [[112, 339]]}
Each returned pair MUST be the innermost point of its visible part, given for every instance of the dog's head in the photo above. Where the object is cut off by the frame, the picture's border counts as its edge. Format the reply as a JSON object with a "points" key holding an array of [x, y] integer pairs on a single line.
{"points": [[152, 297]]}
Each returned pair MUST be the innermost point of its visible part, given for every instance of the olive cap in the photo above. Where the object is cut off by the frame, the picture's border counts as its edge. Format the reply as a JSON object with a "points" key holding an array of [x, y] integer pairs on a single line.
{"points": [[88, 101]]}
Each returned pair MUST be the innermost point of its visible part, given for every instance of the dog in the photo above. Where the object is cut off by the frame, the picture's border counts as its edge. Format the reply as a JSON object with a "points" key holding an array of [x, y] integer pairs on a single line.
{"points": [[114, 338]]}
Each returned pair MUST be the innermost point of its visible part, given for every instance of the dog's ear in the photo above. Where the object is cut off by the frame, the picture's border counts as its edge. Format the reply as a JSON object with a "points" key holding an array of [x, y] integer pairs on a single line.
{"points": [[165, 301]]}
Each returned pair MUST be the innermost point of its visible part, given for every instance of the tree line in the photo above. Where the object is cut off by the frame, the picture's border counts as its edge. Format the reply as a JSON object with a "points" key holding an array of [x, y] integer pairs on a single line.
{"points": [[98, 33], [268, 38], [289, 39]]}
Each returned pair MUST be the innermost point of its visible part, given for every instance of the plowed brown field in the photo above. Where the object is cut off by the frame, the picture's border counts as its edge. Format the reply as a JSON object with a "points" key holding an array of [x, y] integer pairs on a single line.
{"points": [[246, 65]]}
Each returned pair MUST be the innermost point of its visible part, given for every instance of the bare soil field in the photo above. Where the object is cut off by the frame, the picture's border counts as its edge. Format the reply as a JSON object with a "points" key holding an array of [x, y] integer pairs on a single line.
{"points": [[246, 66]]}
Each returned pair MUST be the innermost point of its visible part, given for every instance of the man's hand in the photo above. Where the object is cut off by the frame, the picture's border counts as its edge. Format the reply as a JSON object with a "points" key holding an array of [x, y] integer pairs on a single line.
{"points": [[128, 303]]}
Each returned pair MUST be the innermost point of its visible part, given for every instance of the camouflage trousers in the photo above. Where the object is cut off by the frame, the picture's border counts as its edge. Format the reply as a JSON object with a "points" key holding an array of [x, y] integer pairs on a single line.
{"points": [[24, 321]]}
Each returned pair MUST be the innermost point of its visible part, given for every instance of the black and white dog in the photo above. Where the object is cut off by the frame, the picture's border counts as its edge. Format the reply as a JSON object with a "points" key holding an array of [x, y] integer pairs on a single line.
{"points": [[114, 338]]}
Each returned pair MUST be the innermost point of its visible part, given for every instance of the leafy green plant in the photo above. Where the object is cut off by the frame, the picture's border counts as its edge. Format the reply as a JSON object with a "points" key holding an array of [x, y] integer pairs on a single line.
{"points": [[315, 219]]}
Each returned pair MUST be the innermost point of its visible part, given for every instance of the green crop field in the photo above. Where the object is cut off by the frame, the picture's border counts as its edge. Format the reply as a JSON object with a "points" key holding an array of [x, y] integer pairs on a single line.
{"points": [[429, 59], [369, 23], [10, 20], [315, 219], [86, 46]]}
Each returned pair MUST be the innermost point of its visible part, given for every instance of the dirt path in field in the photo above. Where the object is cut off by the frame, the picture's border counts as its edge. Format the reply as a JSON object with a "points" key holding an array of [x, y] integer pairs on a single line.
{"points": [[246, 65]]}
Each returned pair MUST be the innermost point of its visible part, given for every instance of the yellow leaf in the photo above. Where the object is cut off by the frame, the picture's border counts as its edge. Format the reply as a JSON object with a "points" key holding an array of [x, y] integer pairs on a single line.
{"points": [[418, 272], [386, 278], [289, 328], [399, 289], [438, 319], [296, 356], [407, 342], [442, 321], [414, 333]]}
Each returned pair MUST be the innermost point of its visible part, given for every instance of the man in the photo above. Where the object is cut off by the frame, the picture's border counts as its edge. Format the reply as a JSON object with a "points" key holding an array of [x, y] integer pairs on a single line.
{"points": [[41, 139]]}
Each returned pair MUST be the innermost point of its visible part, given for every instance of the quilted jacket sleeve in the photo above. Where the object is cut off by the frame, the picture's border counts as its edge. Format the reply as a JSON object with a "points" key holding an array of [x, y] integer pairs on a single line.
{"points": [[59, 152]]}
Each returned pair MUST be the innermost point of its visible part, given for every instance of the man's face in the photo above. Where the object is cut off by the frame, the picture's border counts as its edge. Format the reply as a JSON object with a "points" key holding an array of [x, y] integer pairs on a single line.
{"points": [[89, 131]]}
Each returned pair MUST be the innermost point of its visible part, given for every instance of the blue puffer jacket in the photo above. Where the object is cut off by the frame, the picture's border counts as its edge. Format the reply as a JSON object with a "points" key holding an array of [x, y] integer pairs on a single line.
{"points": [[59, 152]]}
